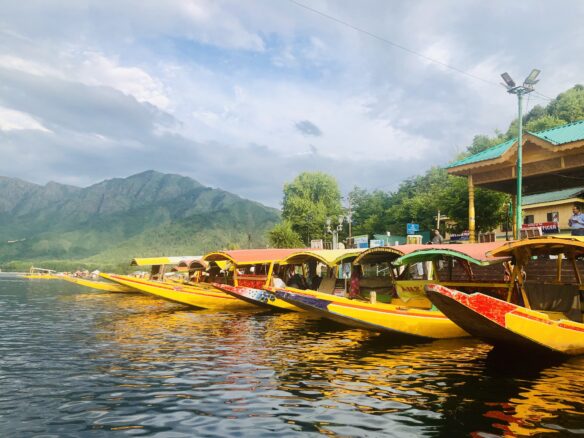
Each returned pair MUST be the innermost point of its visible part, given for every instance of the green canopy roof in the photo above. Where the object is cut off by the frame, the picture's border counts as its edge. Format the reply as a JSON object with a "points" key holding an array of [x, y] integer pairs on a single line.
{"points": [[426, 255]]}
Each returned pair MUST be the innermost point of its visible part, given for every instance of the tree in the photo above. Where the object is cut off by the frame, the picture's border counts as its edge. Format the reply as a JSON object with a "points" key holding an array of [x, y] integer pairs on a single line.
{"points": [[369, 211], [569, 105], [543, 123], [489, 205], [482, 142], [283, 236], [308, 201]]}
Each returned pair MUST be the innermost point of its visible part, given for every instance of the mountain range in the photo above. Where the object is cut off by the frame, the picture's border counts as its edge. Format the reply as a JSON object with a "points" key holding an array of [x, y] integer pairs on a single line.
{"points": [[107, 224]]}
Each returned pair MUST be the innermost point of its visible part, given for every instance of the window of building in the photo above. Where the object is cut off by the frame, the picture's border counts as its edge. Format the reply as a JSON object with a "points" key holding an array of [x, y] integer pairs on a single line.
{"points": [[528, 219], [554, 216]]}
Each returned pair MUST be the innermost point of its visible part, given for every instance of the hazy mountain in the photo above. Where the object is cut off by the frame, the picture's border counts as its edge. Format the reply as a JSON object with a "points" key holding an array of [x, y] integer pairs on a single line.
{"points": [[110, 222]]}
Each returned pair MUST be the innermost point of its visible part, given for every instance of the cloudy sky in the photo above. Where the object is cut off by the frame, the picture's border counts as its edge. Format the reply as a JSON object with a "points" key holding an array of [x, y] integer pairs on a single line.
{"points": [[245, 94]]}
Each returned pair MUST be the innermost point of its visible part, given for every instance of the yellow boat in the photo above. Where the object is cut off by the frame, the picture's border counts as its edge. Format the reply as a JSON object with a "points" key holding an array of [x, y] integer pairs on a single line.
{"points": [[198, 294], [100, 285], [268, 266], [411, 313], [41, 274], [542, 311]]}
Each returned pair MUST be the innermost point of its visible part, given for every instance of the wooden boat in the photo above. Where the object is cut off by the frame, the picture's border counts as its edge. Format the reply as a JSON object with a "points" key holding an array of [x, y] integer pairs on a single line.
{"points": [[196, 293], [259, 289], [100, 285], [41, 274], [542, 311], [410, 313], [253, 273]]}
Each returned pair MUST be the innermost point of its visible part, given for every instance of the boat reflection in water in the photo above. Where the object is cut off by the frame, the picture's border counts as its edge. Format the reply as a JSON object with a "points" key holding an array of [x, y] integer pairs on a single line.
{"points": [[252, 373]]}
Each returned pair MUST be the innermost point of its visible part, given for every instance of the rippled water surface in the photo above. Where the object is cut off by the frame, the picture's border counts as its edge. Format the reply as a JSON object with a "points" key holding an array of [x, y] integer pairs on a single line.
{"points": [[79, 362]]}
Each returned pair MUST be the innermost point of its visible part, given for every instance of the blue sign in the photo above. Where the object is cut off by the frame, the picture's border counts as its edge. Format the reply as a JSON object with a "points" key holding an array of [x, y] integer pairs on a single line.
{"points": [[412, 228]]}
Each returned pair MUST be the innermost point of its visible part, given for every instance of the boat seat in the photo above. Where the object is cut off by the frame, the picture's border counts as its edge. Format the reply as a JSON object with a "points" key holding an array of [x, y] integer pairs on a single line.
{"points": [[381, 285], [327, 285], [418, 303], [556, 316], [555, 298]]}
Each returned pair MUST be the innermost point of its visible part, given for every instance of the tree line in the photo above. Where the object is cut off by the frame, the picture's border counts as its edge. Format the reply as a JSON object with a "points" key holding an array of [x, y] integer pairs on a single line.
{"points": [[312, 197]]}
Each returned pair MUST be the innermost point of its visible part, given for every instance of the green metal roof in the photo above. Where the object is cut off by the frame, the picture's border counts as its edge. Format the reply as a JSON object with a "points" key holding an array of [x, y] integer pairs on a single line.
{"points": [[487, 154], [556, 136], [563, 134], [553, 196]]}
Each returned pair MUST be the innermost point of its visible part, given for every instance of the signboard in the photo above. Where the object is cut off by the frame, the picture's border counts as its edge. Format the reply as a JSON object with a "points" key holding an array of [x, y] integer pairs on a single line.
{"points": [[412, 228], [316, 244], [462, 236], [375, 243], [546, 227], [361, 241]]}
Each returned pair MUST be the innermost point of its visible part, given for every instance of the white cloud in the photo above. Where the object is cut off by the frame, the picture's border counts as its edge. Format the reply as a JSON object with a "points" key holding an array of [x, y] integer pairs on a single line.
{"points": [[11, 120], [228, 76]]}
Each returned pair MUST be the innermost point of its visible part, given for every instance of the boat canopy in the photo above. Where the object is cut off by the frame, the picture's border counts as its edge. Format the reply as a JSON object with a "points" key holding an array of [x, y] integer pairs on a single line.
{"points": [[330, 257], [382, 254], [152, 261], [548, 245], [34, 270], [196, 263], [476, 253], [241, 257]]}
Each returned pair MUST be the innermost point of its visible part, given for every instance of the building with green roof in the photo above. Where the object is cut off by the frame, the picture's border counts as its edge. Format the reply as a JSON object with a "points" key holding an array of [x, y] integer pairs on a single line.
{"points": [[553, 161]]}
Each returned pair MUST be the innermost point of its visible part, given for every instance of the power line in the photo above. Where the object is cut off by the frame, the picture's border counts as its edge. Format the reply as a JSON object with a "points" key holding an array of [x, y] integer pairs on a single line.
{"points": [[391, 43], [399, 46]]}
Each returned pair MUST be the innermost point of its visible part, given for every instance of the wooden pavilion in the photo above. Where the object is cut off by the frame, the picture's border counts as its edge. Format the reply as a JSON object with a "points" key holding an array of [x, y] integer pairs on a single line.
{"points": [[552, 160]]}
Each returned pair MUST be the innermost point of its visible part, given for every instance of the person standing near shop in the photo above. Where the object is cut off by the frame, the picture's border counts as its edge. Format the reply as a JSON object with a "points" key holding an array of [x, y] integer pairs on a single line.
{"points": [[576, 222]]}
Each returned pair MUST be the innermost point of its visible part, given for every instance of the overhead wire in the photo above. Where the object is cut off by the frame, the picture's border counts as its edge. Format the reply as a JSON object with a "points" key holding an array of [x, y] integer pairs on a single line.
{"points": [[392, 43], [401, 47]]}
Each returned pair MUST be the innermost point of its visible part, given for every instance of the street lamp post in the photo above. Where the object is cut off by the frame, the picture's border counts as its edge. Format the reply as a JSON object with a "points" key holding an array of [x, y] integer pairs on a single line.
{"points": [[335, 231], [520, 91]]}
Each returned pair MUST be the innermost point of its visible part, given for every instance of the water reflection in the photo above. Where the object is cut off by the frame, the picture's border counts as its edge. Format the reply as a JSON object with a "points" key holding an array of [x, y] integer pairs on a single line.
{"points": [[140, 366]]}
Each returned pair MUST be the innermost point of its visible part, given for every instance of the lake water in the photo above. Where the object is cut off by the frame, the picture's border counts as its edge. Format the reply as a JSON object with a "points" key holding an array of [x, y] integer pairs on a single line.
{"points": [[76, 362]]}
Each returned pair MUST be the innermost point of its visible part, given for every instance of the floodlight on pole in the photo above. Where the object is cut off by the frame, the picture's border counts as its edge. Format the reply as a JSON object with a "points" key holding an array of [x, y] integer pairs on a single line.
{"points": [[531, 79], [520, 91]]}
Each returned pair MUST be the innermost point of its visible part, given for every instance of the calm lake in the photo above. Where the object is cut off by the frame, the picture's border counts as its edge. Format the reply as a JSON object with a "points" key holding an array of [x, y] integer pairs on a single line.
{"points": [[76, 362]]}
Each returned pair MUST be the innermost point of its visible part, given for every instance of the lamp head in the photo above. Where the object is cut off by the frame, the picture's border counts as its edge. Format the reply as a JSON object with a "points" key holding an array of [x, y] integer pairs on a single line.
{"points": [[509, 83], [532, 78]]}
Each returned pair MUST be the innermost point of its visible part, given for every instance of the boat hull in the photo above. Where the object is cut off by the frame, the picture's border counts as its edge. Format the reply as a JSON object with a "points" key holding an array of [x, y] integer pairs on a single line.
{"points": [[258, 297], [397, 320], [204, 296], [507, 325], [100, 285]]}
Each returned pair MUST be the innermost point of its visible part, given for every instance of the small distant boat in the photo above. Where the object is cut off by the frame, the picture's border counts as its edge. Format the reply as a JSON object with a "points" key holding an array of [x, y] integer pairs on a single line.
{"points": [[100, 285], [410, 313], [543, 310], [41, 273]]}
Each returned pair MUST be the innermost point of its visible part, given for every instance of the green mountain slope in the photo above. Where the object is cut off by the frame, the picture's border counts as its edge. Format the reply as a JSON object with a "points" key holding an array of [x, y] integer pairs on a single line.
{"points": [[109, 223]]}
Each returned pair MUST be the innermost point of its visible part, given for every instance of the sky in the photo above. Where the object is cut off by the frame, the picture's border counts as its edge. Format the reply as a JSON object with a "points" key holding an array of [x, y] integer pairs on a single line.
{"points": [[244, 95]]}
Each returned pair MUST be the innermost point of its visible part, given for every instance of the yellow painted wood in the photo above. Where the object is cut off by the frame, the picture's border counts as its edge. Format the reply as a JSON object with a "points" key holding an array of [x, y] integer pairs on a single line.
{"points": [[200, 295]]}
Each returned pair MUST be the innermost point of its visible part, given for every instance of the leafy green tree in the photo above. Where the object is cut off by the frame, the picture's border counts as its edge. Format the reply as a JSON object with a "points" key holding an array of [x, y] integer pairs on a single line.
{"points": [[490, 206], [542, 123], [482, 142], [308, 201], [569, 105], [283, 236], [369, 211]]}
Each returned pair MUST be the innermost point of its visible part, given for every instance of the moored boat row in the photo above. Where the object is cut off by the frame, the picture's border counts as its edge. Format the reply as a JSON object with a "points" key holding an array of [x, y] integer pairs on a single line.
{"points": [[518, 294]]}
